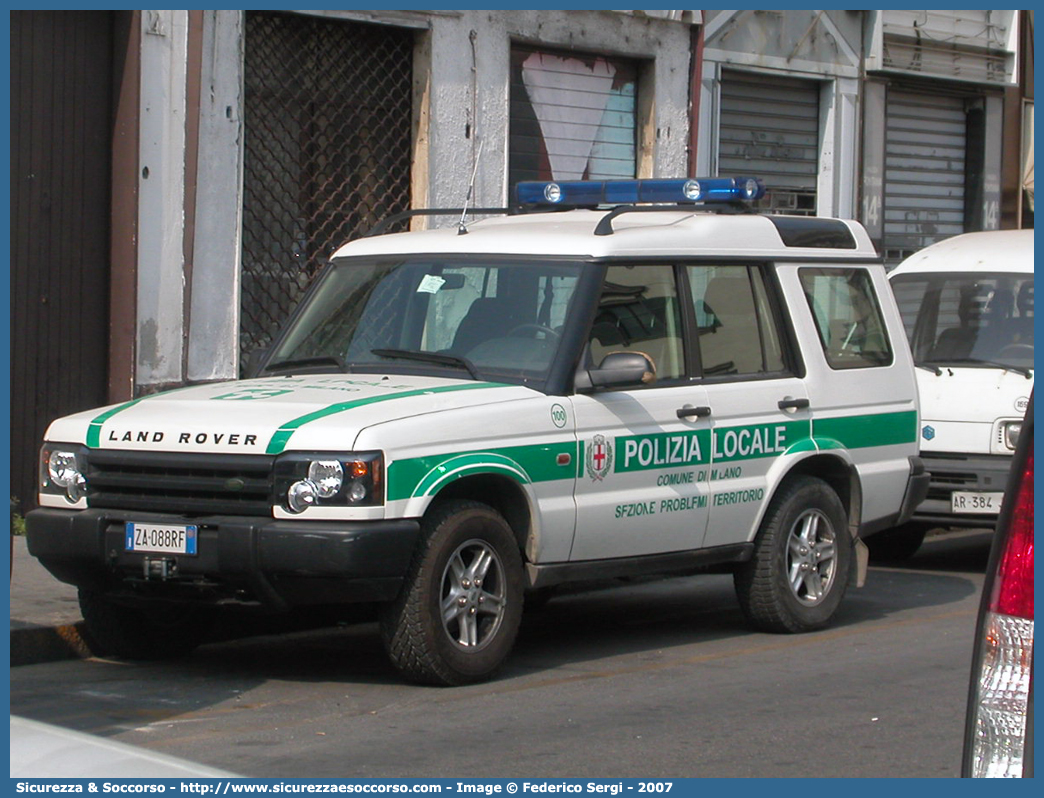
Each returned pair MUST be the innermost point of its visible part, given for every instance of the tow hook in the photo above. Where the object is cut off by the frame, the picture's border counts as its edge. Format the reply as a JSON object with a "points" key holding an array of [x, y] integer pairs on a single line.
{"points": [[161, 568]]}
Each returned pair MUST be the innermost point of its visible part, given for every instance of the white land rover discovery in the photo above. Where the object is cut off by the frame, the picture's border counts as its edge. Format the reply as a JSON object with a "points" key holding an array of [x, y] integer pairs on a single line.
{"points": [[455, 419]]}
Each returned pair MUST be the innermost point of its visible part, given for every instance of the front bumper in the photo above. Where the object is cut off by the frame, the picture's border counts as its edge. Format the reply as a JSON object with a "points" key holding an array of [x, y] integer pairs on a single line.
{"points": [[957, 472], [277, 565]]}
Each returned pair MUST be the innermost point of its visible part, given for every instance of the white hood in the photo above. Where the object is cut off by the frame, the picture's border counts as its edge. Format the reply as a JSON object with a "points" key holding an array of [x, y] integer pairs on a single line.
{"points": [[270, 415], [961, 408]]}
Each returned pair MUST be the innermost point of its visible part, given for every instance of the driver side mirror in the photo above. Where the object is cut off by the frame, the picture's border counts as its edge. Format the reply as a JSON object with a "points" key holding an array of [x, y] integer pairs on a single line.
{"points": [[617, 370]]}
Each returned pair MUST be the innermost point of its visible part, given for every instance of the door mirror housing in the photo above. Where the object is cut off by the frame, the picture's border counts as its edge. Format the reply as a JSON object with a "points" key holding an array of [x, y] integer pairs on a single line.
{"points": [[617, 370]]}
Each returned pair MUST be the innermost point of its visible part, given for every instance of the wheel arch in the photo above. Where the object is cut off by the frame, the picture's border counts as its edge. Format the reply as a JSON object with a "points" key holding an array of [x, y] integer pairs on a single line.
{"points": [[840, 474], [505, 495]]}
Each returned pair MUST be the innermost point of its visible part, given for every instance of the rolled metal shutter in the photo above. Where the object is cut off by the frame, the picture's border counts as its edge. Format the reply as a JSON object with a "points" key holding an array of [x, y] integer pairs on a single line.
{"points": [[925, 144], [572, 116], [770, 129]]}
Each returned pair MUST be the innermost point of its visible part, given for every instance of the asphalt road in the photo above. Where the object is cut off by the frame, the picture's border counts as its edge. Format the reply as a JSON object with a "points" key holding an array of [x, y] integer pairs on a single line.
{"points": [[639, 680]]}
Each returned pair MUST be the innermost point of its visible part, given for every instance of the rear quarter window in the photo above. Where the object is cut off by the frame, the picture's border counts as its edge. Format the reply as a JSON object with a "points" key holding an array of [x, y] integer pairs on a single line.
{"points": [[848, 317]]}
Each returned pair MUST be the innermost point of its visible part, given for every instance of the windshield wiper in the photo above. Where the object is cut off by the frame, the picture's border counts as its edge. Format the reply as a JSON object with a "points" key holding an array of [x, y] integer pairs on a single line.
{"points": [[929, 367], [429, 357], [306, 362], [976, 361]]}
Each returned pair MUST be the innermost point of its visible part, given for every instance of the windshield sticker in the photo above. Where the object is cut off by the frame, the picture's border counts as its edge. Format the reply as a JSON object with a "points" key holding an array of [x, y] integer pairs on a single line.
{"points": [[431, 284]]}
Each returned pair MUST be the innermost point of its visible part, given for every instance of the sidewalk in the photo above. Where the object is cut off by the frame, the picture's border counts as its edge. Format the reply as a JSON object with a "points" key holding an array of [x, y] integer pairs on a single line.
{"points": [[46, 624]]}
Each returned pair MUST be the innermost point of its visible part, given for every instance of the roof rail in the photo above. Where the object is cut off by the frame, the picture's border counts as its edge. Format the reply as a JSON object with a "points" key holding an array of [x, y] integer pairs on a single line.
{"points": [[605, 225]]}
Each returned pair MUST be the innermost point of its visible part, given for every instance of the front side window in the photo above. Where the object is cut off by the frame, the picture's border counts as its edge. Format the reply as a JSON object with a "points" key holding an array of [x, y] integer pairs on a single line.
{"points": [[737, 331], [639, 312], [499, 320], [968, 319], [848, 317]]}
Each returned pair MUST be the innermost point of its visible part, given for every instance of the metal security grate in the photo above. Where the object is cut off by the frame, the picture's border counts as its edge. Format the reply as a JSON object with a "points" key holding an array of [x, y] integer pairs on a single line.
{"points": [[328, 115]]}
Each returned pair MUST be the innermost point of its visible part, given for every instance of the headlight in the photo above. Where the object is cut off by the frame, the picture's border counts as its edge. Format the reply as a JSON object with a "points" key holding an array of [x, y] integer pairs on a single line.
{"points": [[1012, 430], [62, 470], [353, 479]]}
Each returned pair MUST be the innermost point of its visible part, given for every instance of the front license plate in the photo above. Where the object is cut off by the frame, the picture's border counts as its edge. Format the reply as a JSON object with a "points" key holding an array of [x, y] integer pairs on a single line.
{"points": [[161, 538], [966, 501]]}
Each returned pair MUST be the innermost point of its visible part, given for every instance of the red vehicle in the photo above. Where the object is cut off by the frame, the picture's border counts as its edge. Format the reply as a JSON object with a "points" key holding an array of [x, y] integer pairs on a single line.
{"points": [[998, 739]]}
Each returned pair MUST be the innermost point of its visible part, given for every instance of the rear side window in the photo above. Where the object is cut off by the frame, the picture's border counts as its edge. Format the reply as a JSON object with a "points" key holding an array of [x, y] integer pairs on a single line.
{"points": [[848, 317], [737, 331]]}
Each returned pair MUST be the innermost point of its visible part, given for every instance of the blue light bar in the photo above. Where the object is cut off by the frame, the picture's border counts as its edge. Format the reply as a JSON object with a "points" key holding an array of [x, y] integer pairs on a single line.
{"points": [[625, 192]]}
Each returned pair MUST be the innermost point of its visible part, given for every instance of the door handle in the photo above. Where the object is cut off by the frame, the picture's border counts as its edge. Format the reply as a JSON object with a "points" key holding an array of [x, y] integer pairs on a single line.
{"points": [[689, 411], [793, 404]]}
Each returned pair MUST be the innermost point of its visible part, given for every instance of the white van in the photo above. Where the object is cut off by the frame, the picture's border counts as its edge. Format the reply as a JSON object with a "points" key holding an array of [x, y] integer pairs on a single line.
{"points": [[967, 305], [458, 418]]}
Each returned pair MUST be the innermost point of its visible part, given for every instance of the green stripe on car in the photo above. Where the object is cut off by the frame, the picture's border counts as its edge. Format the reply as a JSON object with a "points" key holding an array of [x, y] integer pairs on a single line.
{"points": [[94, 430], [860, 432], [422, 476], [282, 435]]}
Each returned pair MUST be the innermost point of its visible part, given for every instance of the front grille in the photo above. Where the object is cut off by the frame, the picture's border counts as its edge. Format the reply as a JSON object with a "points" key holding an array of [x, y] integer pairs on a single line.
{"points": [[952, 472], [187, 484]]}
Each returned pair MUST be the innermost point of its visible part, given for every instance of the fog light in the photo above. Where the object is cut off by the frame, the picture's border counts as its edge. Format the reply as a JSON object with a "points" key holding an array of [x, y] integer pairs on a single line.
{"points": [[76, 489], [302, 495]]}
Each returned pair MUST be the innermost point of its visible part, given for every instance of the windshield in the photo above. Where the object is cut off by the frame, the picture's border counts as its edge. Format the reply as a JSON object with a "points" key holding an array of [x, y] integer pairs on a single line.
{"points": [[494, 320], [968, 319]]}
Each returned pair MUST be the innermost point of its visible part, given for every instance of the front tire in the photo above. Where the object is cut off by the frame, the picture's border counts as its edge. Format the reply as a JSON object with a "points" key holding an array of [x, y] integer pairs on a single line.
{"points": [[802, 562], [457, 616], [148, 632]]}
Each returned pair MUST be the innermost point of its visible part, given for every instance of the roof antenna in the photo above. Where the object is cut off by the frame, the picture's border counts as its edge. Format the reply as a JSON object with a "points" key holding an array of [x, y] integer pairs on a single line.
{"points": [[461, 229]]}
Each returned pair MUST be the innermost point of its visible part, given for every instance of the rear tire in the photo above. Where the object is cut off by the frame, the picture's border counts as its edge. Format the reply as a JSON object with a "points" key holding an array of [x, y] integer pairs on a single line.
{"points": [[802, 563], [457, 616], [897, 544], [152, 631]]}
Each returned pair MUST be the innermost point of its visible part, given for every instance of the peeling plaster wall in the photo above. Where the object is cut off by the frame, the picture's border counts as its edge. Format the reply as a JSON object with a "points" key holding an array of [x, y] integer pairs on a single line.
{"points": [[470, 69], [161, 197], [213, 350]]}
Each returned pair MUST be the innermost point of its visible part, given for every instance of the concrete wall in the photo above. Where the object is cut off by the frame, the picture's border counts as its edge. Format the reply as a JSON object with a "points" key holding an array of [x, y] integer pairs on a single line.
{"points": [[466, 79]]}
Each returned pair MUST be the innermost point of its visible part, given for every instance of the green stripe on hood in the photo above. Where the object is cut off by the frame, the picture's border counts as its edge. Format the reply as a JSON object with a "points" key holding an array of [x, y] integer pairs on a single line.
{"points": [[279, 440], [94, 430]]}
